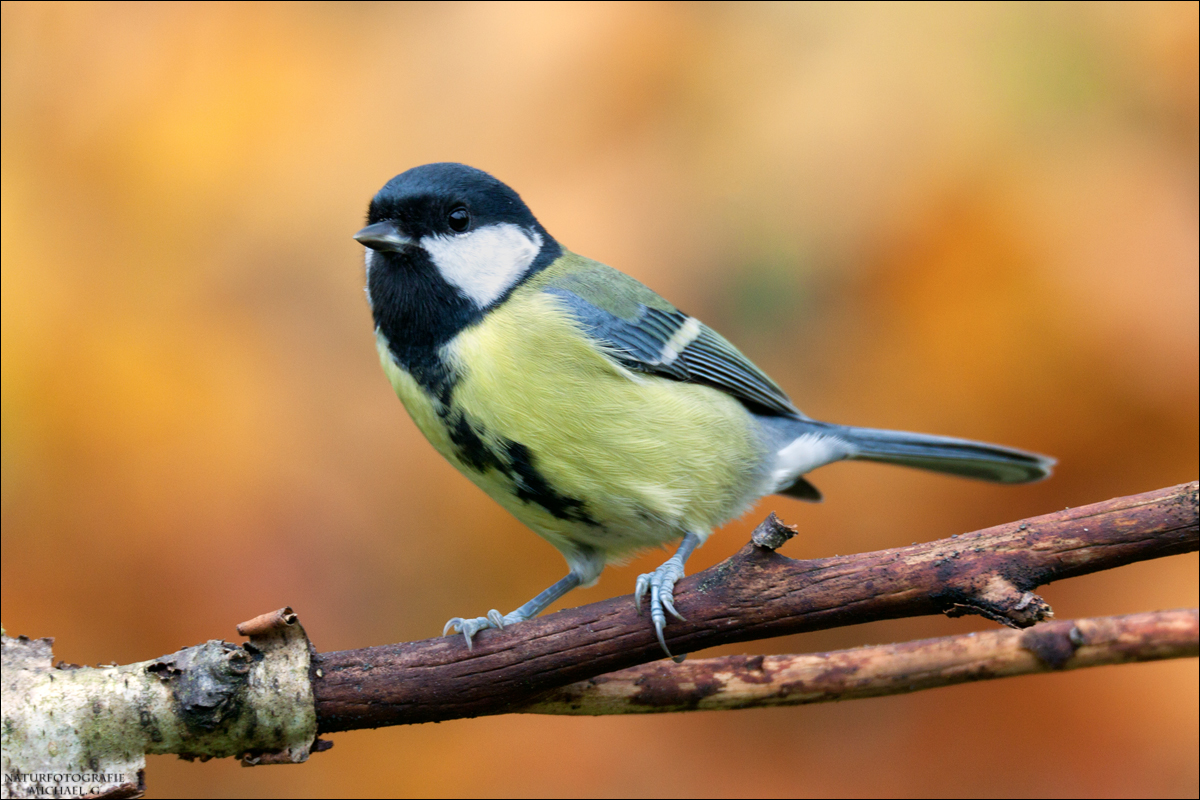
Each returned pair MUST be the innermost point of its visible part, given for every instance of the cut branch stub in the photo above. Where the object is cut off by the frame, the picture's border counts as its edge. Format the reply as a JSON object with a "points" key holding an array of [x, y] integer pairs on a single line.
{"points": [[771, 533]]}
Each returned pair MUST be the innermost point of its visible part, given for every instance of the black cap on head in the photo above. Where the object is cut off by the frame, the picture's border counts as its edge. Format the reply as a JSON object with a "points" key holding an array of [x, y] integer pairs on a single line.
{"points": [[421, 200]]}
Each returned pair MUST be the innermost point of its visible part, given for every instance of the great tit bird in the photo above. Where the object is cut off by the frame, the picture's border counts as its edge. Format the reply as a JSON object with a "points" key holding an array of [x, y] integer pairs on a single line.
{"points": [[597, 413]]}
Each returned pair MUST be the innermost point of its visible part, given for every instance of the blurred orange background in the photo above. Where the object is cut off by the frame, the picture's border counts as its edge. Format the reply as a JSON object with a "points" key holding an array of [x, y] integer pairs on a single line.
{"points": [[977, 220]]}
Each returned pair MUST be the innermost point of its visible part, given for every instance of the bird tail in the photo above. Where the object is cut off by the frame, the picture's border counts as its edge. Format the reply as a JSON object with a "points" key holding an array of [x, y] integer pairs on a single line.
{"points": [[989, 462]]}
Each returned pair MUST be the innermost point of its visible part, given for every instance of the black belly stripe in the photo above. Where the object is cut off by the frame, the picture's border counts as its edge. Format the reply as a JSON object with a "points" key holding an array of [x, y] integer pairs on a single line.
{"points": [[469, 445], [532, 487], [517, 463]]}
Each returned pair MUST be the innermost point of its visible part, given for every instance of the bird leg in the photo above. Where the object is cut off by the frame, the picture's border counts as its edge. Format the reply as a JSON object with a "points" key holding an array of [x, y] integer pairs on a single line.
{"points": [[494, 619], [661, 584]]}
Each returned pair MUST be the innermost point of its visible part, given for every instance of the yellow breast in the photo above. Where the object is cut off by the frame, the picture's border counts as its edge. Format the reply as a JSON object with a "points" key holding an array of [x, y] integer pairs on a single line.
{"points": [[583, 450]]}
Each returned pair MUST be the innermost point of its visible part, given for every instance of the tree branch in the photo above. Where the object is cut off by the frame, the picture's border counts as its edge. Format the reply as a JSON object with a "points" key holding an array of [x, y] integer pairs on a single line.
{"points": [[754, 681], [753, 595], [95, 725]]}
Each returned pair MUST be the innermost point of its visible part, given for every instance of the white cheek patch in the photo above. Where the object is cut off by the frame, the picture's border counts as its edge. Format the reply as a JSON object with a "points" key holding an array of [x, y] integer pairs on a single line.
{"points": [[804, 454], [486, 262]]}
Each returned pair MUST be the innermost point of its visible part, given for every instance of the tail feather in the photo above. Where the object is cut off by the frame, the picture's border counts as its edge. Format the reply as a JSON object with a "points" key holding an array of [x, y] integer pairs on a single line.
{"points": [[989, 462], [801, 489]]}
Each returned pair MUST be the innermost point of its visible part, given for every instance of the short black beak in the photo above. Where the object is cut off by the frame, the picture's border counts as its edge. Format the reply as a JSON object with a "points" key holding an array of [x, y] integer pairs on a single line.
{"points": [[384, 237]]}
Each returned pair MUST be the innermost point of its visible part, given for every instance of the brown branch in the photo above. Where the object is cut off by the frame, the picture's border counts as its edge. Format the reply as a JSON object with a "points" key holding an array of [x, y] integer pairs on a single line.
{"points": [[254, 700], [755, 681], [753, 595]]}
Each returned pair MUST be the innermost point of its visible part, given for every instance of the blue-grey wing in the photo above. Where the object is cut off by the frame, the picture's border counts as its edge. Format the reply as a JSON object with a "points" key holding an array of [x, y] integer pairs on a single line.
{"points": [[662, 340]]}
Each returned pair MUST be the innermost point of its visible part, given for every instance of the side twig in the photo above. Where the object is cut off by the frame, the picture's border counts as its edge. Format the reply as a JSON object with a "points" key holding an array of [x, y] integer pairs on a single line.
{"points": [[755, 681], [755, 594]]}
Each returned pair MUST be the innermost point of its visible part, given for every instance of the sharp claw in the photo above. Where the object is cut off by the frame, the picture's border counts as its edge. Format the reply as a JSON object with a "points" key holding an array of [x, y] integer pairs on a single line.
{"points": [[496, 618], [467, 627], [658, 629], [670, 606], [661, 586], [639, 592]]}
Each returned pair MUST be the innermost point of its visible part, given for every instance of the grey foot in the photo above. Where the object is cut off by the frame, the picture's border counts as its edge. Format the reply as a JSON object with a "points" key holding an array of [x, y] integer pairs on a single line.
{"points": [[661, 584], [494, 619], [469, 627]]}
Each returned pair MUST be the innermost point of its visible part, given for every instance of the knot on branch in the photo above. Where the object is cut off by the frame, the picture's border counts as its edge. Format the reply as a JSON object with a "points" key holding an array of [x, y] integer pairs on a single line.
{"points": [[206, 682], [1054, 644]]}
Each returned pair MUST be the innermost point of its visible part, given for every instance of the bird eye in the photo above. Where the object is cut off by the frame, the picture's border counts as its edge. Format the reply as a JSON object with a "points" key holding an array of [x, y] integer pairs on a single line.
{"points": [[459, 219]]}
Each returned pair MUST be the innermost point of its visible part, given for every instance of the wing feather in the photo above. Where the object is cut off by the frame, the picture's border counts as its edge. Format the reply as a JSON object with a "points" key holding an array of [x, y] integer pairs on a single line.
{"points": [[674, 345]]}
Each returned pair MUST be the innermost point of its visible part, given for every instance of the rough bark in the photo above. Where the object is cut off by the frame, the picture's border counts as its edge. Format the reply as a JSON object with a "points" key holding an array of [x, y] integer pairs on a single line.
{"points": [[755, 594], [756, 681]]}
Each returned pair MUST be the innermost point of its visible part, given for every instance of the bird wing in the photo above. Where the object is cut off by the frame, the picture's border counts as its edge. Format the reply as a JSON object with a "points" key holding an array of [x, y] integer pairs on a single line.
{"points": [[645, 333]]}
